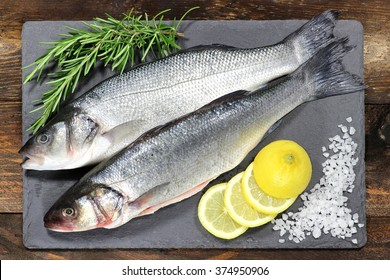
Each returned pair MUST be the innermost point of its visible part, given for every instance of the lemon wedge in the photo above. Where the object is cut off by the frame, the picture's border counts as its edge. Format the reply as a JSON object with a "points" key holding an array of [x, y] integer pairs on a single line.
{"points": [[238, 208], [258, 199], [214, 216]]}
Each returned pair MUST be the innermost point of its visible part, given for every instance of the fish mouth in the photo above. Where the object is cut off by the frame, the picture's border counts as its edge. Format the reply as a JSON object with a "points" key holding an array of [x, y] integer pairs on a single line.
{"points": [[31, 161]]}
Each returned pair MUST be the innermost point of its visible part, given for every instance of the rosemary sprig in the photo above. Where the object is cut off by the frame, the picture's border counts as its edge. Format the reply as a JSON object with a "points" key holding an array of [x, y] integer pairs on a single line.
{"points": [[112, 41]]}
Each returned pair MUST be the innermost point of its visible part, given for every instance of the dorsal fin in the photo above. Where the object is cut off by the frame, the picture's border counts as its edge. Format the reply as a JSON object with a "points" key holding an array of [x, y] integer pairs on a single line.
{"points": [[226, 98], [207, 47]]}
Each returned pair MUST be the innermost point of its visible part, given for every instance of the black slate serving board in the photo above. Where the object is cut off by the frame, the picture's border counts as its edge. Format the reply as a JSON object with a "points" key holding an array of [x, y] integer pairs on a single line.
{"points": [[177, 226]]}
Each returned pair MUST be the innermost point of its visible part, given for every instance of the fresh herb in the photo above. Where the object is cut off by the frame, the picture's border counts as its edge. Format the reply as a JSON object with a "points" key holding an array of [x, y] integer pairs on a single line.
{"points": [[112, 41]]}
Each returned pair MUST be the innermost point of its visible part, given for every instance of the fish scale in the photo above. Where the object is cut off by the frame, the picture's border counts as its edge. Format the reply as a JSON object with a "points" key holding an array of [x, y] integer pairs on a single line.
{"points": [[125, 106], [183, 73]]}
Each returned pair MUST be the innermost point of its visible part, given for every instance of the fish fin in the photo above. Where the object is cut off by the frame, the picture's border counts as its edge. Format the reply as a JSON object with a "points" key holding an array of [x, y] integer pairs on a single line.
{"points": [[273, 128], [146, 199], [176, 199], [325, 72], [126, 132], [137, 206], [228, 97], [313, 35], [154, 131], [225, 98], [207, 47]]}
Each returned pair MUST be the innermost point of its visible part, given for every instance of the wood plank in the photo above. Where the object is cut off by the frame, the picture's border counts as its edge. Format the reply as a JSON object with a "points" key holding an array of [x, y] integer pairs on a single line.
{"points": [[10, 170], [373, 98], [10, 61], [377, 162], [11, 247]]}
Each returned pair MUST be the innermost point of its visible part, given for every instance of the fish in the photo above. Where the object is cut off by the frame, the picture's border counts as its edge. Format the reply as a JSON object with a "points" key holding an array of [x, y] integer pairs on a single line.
{"points": [[174, 161], [114, 113]]}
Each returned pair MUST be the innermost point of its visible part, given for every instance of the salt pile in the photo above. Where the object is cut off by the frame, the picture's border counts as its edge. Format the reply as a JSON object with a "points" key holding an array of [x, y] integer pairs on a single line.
{"points": [[325, 208]]}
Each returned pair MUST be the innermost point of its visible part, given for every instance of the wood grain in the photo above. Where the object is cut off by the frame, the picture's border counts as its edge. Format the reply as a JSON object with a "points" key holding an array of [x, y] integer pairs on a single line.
{"points": [[373, 14], [10, 171], [377, 162]]}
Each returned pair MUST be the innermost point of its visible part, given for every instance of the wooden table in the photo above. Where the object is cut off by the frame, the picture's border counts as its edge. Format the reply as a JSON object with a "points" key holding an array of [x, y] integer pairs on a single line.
{"points": [[375, 17]]}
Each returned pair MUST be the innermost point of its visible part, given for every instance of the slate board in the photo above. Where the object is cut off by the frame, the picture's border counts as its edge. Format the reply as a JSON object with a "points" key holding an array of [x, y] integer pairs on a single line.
{"points": [[177, 226]]}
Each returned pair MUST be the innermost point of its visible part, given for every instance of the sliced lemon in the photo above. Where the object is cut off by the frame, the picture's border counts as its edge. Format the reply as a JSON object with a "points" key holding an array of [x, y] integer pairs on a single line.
{"points": [[214, 217], [238, 208], [258, 199], [282, 169]]}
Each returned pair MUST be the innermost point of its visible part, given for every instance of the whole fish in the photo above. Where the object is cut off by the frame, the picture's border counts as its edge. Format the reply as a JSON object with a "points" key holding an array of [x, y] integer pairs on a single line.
{"points": [[174, 161], [114, 113]]}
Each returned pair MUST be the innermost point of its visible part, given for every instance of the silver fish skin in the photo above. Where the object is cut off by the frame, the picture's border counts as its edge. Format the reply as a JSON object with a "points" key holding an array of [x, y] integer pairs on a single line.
{"points": [[172, 162], [114, 113]]}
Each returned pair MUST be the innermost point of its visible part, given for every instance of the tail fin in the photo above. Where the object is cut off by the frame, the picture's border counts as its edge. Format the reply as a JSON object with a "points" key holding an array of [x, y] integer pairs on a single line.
{"points": [[313, 35], [325, 72]]}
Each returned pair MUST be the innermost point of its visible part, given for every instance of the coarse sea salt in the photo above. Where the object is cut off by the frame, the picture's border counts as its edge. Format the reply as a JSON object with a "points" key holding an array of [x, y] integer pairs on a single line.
{"points": [[325, 208]]}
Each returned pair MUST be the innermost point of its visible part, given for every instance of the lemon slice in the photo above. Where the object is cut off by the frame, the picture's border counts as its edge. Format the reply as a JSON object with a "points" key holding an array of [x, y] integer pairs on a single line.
{"points": [[214, 217], [237, 207], [258, 199]]}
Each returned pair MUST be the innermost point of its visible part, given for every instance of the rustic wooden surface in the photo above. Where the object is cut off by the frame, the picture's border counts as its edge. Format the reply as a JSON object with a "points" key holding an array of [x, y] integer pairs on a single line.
{"points": [[375, 17]]}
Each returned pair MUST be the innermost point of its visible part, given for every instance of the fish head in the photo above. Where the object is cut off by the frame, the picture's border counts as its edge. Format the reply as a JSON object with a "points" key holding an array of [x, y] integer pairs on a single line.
{"points": [[42, 149], [61, 144], [98, 206]]}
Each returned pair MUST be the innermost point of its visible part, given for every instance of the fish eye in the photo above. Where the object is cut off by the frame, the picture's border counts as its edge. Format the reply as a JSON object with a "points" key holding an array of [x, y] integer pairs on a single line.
{"points": [[43, 138], [68, 212]]}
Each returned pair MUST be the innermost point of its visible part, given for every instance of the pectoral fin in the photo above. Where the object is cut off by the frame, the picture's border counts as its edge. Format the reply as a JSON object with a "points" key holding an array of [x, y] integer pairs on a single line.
{"points": [[126, 132], [175, 199], [273, 128], [137, 206], [151, 197]]}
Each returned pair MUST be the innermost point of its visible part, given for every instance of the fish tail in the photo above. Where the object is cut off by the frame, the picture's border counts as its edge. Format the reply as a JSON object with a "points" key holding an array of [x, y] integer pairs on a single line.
{"points": [[326, 74], [313, 35]]}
